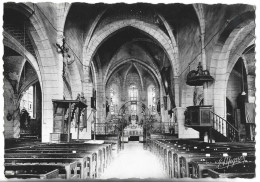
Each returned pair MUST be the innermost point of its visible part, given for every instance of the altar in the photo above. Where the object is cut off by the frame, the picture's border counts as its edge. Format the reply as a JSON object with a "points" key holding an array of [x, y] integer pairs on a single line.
{"points": [[133, 130]]}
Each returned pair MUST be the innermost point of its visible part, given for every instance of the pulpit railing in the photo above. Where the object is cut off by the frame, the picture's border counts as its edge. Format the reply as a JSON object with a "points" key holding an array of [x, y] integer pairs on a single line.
{"points": [[202, 118], [224, 127]]}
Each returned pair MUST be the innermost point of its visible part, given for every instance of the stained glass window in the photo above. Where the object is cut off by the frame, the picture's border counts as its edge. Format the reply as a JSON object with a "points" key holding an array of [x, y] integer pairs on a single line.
{"points": [[152, 99], [27, 101], [133, 93], [112, 94]]}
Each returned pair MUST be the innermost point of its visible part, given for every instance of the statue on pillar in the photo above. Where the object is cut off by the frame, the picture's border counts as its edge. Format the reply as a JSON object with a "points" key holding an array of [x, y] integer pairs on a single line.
{"points": [[81, 115], [82, 98], [107, 108], [159, 106]]}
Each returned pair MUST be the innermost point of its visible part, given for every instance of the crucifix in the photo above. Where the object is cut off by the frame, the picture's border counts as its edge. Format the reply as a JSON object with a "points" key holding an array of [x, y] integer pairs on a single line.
{"points": [[64, 51]]}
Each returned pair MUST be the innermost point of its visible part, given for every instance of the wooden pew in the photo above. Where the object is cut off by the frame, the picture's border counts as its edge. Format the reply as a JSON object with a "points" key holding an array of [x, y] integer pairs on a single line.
{"points": [[98, 163], [82, 159], [102, 157], [103, 160], [26, 170], [181, 151], [186, 158], [170, 164], [200, 168], [170, 153], [242, 170], [113, 148], [70, 148], [12, 173]]}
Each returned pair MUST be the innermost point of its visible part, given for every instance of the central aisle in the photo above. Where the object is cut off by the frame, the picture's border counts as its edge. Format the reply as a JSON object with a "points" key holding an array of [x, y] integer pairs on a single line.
{"points": [[134, 162]]}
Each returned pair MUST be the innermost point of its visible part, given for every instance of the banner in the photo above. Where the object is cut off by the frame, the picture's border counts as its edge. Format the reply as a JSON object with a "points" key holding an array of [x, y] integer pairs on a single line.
{"points": [[250, 112]]}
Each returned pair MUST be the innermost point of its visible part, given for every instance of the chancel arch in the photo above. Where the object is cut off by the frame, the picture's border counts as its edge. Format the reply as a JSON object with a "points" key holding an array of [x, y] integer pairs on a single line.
{"points": [[103, 34]]}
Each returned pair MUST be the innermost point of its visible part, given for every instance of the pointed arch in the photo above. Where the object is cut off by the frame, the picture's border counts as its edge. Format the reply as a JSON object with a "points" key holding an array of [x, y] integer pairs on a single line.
{"points": [[157, 34]]}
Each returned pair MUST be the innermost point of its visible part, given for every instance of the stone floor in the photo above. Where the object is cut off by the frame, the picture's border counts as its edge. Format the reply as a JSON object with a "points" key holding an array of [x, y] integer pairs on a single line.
{"points": [[134, 162]]}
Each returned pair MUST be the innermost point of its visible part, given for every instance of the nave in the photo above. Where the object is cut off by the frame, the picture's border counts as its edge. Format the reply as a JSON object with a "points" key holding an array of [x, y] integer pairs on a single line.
{"points": [[164, 159], [135, 162]]}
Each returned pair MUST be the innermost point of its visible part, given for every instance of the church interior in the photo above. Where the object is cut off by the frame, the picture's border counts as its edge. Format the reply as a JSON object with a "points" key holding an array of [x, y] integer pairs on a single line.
{"points": [[167, 89]]}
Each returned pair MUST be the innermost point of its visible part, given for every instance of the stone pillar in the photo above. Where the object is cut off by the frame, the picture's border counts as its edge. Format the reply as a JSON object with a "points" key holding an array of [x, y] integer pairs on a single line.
{"points": [[100, 92], [11, 112], [163, 111], [184, 132], [177, 91], [52, 88], [87, 90], [204, 67]]}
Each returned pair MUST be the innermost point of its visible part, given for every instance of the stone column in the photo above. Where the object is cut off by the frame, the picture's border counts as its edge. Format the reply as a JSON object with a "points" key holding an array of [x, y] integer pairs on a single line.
{"points": [[87, 90], [204, 67]]}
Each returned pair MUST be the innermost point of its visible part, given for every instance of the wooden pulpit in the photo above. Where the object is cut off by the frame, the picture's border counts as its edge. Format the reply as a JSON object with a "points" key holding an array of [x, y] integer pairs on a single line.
{"points": [[63, 113]]}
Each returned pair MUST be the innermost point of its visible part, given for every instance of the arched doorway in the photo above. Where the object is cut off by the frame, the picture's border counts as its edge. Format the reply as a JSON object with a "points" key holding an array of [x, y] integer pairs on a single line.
{"points": [[22, 97], [30, 112], [236, 98]]}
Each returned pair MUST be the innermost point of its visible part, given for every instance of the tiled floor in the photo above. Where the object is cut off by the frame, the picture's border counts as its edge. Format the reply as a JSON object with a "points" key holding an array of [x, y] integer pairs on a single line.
{"points": [[134, 162]]}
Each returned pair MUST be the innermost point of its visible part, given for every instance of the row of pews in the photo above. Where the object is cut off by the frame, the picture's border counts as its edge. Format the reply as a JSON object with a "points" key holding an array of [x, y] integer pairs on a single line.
{"points": [[59, 161], [195, 159]]}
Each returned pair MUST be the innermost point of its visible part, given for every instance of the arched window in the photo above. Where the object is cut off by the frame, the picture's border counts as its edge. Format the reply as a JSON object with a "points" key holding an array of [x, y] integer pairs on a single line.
{"points": [[28, 101], [133, 93], [152, 98], [112, 106]]}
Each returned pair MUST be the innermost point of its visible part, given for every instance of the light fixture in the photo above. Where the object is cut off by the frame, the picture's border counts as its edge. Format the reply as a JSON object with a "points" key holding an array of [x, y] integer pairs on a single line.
{"points": [[243, 91]]}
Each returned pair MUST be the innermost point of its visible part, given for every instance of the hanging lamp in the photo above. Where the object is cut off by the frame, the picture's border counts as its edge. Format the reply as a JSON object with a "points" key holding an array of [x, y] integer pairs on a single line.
{"points": [[243, 89]]}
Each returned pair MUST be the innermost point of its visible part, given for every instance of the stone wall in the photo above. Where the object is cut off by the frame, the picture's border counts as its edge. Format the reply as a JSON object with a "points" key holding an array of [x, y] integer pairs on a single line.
{"points": [[11, 112]]}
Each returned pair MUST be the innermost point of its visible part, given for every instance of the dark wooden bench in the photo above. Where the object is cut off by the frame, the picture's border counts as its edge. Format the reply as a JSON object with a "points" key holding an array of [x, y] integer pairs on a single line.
{"points": [[99, 163], [103, 153], [175, 165], [200, 168], [65, 170], [82, 159], [178, 156], [12, 173], [242, 170], [186, 158]]}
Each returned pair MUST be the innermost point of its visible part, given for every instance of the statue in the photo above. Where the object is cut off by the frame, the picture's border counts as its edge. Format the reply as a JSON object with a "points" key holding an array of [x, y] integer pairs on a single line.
{"points": [[159, 106], [107, 107], [24, 120], [78, 97], [82, 98]]}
